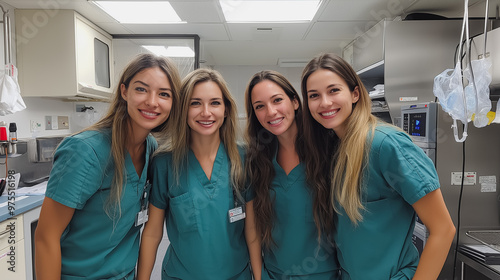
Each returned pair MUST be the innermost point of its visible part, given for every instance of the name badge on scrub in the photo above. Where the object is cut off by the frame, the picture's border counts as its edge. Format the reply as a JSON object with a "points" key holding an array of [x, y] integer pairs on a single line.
{"points": [[142, 216], [237, 213]]}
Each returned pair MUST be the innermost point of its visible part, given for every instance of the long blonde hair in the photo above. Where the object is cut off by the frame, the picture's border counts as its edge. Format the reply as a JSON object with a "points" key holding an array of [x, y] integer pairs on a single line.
{"points": [[227, 132], [117, 119], [350, 154]]}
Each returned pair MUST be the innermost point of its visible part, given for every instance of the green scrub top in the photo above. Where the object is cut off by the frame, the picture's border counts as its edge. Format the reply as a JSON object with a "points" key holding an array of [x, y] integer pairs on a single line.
{"points": [[398, 175], [297, 253], [203, 244], [93, 245]]}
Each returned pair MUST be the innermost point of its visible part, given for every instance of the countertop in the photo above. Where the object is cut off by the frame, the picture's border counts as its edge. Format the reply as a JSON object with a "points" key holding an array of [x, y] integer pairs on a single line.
{"points": [[22, 205]]}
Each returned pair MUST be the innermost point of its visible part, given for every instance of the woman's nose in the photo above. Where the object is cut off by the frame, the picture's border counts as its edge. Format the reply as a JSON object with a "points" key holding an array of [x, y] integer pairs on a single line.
{"points": [[152, 100]]}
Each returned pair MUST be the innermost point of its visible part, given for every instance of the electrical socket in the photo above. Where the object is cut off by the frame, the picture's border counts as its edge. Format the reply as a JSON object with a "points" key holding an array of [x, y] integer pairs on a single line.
{"points": [[63, 122], [35, 126]]}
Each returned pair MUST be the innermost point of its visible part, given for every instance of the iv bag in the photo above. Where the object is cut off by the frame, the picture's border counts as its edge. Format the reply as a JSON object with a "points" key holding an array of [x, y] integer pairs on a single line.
{"points": [[478, 92], [10, 93], [448, 88]]}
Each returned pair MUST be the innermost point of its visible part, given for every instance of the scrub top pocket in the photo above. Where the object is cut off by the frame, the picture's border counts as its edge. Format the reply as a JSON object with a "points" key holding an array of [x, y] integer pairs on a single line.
{"points": [[184, 213]]}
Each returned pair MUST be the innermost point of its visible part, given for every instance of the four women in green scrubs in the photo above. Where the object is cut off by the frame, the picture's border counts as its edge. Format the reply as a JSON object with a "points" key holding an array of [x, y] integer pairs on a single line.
{"points": [[333, 175], [379, 179], [96, 191], [284, 202], [198, 189]]}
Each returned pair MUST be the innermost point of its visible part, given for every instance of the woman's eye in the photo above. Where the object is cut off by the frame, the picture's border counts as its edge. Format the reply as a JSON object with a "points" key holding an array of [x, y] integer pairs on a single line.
{"points": [[195, 103], [164, 94], [313, 95], [215, 103], [278, 100], [333, 90], [258, 107], [141, 89]]}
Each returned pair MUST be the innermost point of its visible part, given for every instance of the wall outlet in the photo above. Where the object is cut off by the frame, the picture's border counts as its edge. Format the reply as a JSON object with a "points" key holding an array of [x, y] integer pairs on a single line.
{"points": [[35, 126], [63, 122]]}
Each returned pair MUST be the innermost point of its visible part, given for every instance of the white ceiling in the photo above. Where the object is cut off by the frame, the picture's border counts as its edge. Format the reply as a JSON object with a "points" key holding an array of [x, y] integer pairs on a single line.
{"points": [[336, 24]]}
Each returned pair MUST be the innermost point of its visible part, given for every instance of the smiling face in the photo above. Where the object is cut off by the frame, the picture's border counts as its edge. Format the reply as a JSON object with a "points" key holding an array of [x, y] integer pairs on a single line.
{"points": [[149, 99], [330, 99], [273, 108], [206, 109]]}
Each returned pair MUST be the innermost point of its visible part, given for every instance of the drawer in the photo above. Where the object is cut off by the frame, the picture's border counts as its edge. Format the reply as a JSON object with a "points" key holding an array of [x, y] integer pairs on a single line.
{"points": [[16, 263], [7, 232]]}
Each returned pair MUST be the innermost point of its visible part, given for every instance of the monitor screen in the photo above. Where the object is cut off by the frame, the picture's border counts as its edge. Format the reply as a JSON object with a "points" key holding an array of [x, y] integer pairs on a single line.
{"points": [[417, 124]]}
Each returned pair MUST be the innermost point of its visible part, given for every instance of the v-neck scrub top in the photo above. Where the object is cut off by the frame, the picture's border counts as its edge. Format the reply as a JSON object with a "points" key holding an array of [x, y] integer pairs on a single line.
{"points": [[203, 244], [95, 246], [398, 175], [297, 253]]}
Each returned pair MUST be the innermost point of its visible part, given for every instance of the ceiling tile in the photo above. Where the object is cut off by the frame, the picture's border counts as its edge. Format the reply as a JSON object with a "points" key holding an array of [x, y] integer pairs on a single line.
{"points": [[213, 32], [279, 31], [263, 53], [362, 10], [338, 30]]}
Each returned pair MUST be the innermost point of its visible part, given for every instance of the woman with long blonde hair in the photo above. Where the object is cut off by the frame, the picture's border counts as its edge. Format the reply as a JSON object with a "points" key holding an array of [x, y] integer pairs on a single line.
{"points": [[379, 179], [197, 189], [88, 225]]}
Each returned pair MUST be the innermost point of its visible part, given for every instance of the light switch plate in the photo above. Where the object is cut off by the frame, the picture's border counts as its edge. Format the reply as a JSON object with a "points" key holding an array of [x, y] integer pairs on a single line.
{"points": [[48, 122]]}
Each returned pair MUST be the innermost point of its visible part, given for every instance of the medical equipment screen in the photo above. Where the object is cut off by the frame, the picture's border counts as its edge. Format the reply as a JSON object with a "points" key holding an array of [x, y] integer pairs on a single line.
{"points": [[417, 124]]}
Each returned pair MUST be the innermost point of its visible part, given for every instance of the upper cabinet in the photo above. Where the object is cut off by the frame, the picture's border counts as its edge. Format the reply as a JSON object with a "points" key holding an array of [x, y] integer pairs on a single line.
{"points": [[62, 54], [368, 48]]}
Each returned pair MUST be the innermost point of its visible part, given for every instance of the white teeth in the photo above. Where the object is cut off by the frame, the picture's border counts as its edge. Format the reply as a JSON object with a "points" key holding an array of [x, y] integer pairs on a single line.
{"points": [[275, 121], [331, 113], [149, 114], [206, 123]]}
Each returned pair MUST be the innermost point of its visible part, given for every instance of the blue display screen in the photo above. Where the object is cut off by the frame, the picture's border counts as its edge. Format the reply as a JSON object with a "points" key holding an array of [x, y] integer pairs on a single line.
{"points": [[417, 124]]}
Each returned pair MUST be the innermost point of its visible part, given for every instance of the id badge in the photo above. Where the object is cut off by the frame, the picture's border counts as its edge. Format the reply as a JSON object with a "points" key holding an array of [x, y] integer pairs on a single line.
{"points": [[237, 213], [141, 217]]}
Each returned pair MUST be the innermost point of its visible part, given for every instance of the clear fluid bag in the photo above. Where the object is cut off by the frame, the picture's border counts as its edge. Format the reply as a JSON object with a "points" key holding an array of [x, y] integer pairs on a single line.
{"points": [[477, 92]]}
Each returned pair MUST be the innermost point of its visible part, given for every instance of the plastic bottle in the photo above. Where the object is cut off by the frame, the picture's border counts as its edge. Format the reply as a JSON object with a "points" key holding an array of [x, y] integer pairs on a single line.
{"points": [[12, 132], [3, 132]]}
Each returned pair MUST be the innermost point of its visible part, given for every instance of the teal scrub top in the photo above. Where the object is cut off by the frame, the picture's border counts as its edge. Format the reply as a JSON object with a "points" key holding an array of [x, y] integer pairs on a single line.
{"points": [[297, 253], [93, 245], [203, 244], [380, 246]]}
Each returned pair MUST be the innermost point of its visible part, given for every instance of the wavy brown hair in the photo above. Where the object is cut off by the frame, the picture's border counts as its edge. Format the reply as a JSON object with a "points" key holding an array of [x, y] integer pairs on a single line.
{"points": [[117, 119], [348, 156], [262, 147]]}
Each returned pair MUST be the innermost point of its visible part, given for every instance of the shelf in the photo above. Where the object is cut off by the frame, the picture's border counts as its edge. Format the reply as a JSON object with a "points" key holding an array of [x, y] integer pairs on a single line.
{"points": [[379, 110], [375, 70], [377, 96]]}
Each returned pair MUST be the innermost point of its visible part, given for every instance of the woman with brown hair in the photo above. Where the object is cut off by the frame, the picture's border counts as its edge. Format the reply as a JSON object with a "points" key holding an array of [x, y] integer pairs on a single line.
{"points": [[285, 206]]}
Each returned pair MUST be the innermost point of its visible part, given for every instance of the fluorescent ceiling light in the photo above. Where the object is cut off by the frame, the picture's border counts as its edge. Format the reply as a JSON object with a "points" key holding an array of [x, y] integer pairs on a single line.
{"points": [[173, 51], [140, 11], [284, 62], [269, 10]]}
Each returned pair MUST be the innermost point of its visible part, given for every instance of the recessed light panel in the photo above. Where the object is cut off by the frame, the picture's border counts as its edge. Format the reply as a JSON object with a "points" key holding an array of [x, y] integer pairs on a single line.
{"points": [[172, 51], [142, 12]]}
